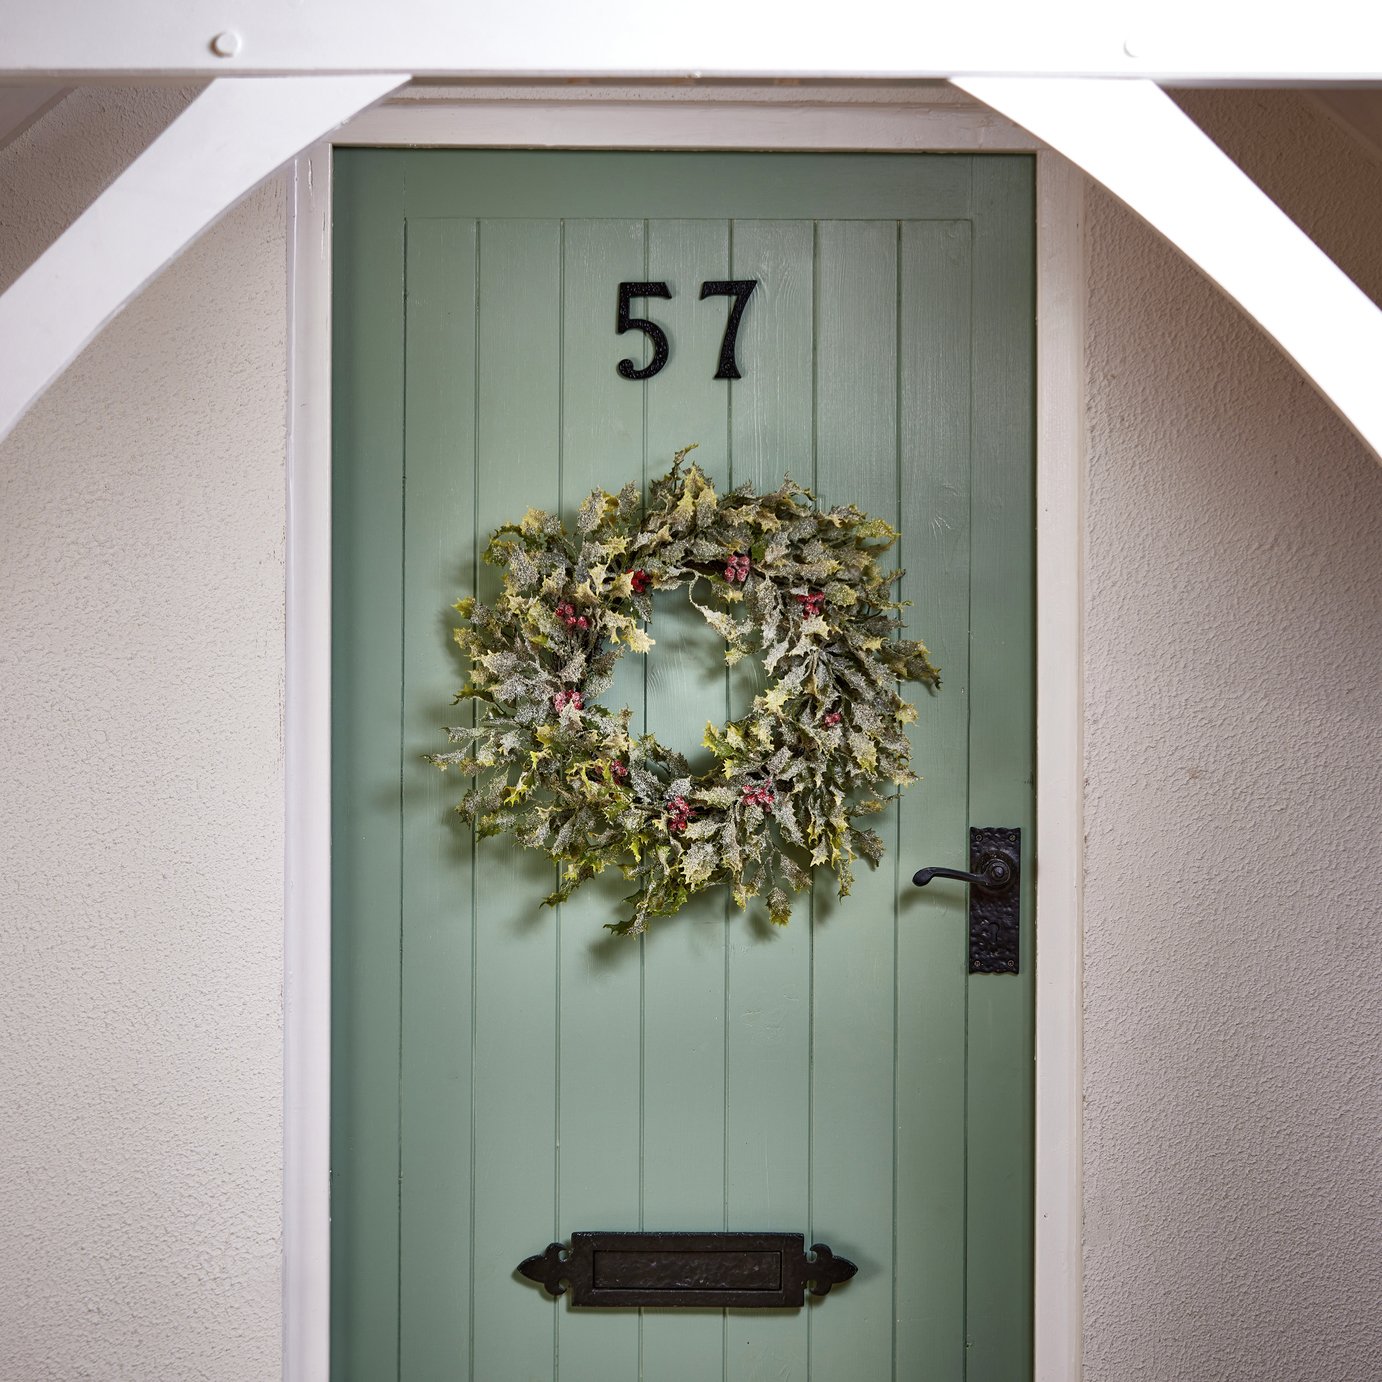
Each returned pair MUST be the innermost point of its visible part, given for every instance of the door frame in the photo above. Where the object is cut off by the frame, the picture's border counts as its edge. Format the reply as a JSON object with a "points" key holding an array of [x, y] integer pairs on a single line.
{"points": [[861, 117]]}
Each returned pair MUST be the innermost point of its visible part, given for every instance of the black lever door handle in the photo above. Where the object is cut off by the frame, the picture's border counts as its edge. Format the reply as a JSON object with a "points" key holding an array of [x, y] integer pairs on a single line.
{"points": [[995, 856], [995, 876]]}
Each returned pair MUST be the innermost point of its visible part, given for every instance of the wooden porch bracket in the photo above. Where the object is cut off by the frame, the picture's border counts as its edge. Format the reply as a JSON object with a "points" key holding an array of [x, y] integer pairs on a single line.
{"points": [[1130, 136], [232, 136]]}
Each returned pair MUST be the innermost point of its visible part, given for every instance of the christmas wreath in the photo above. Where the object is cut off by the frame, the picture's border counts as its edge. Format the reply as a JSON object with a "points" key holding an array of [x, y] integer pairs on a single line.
{"points": [[798, 586]]}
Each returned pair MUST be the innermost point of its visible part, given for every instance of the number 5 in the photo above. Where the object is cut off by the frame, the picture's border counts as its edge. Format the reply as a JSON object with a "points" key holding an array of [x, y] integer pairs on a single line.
{"points": [[623, 322], [740, 289]]}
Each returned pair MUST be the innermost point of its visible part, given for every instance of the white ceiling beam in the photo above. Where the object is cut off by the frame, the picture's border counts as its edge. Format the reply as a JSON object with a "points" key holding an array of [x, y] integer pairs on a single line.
{"points": [[1134, 139], [1187, 40], [231, 137]]}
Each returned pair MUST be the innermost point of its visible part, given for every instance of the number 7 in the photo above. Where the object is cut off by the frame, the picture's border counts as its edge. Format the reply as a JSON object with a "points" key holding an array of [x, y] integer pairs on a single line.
{"points": [[740, 289]]}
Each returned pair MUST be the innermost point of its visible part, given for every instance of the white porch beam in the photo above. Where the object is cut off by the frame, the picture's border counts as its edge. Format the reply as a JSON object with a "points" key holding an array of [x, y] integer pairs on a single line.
{"points": [[232, 136], [1172, 40], [1132, 137]]}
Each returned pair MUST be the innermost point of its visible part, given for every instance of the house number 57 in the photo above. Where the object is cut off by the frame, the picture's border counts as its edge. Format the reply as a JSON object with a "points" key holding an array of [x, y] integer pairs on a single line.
{"points": [[740, 289]]}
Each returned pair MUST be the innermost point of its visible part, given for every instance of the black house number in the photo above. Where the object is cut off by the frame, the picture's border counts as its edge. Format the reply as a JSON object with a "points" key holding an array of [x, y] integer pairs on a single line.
{"points": [[740, 289]]}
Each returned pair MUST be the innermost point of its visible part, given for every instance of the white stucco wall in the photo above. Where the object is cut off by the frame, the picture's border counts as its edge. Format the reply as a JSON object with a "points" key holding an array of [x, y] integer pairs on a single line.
{"points": [[1232, 1021], [141, 565], [1233, 954]]}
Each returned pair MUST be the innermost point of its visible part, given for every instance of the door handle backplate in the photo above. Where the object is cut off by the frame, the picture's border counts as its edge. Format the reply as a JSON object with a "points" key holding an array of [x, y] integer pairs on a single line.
{"points": [[995, 890]]}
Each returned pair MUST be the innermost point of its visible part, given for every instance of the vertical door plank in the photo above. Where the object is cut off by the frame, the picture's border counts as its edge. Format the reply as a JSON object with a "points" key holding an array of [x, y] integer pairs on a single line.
{"points": [[684, 956], [515, 989], [601, 974], [934, 812], [439, 564], [367, 596], [854, 1028], [1001, 747], [768, 1007]]}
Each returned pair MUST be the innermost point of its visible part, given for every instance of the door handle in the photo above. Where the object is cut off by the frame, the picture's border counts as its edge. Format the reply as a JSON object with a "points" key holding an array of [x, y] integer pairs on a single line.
{"points": [[995, 876], [995, 861]]}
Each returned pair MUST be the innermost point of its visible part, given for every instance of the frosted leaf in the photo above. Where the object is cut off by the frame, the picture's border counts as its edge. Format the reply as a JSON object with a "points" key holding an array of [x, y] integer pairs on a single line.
{"points": [[563, 836], [726, 627], [522, 571], [786, 817], [597, 683], [869, 844], [456, 759], [698, 864], [591, 511], [864, 749], [644, 783], [866, 716], [729, 847], [775, 654]]}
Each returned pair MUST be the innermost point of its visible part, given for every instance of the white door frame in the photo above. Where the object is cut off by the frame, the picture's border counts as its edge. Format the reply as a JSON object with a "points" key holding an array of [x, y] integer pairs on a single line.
{"points": [[787, 117]]}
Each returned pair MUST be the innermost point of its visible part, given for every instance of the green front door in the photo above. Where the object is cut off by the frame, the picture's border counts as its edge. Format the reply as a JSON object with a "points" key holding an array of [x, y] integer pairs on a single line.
{"points": [[504, 1075]]}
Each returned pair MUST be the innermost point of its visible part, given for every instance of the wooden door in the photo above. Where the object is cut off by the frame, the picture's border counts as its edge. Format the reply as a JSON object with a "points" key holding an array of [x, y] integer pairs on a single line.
{"points": [[504, 1075]]}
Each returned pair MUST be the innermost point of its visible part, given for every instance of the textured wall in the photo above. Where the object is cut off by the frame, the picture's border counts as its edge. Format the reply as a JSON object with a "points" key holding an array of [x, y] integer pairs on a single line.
{"points": [[1233, 952], [141, 560]]}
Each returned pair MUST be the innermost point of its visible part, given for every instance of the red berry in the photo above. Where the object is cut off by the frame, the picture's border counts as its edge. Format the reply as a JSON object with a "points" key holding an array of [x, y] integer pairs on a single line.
{"points": [[679, 813]]}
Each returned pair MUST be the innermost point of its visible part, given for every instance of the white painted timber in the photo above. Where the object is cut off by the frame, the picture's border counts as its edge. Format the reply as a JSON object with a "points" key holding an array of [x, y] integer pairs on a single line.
{"points": [[1135, 140], [20, 106], [231, 137], [1191, 39], [1060, 483], [307, 806], [569, 119]]}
